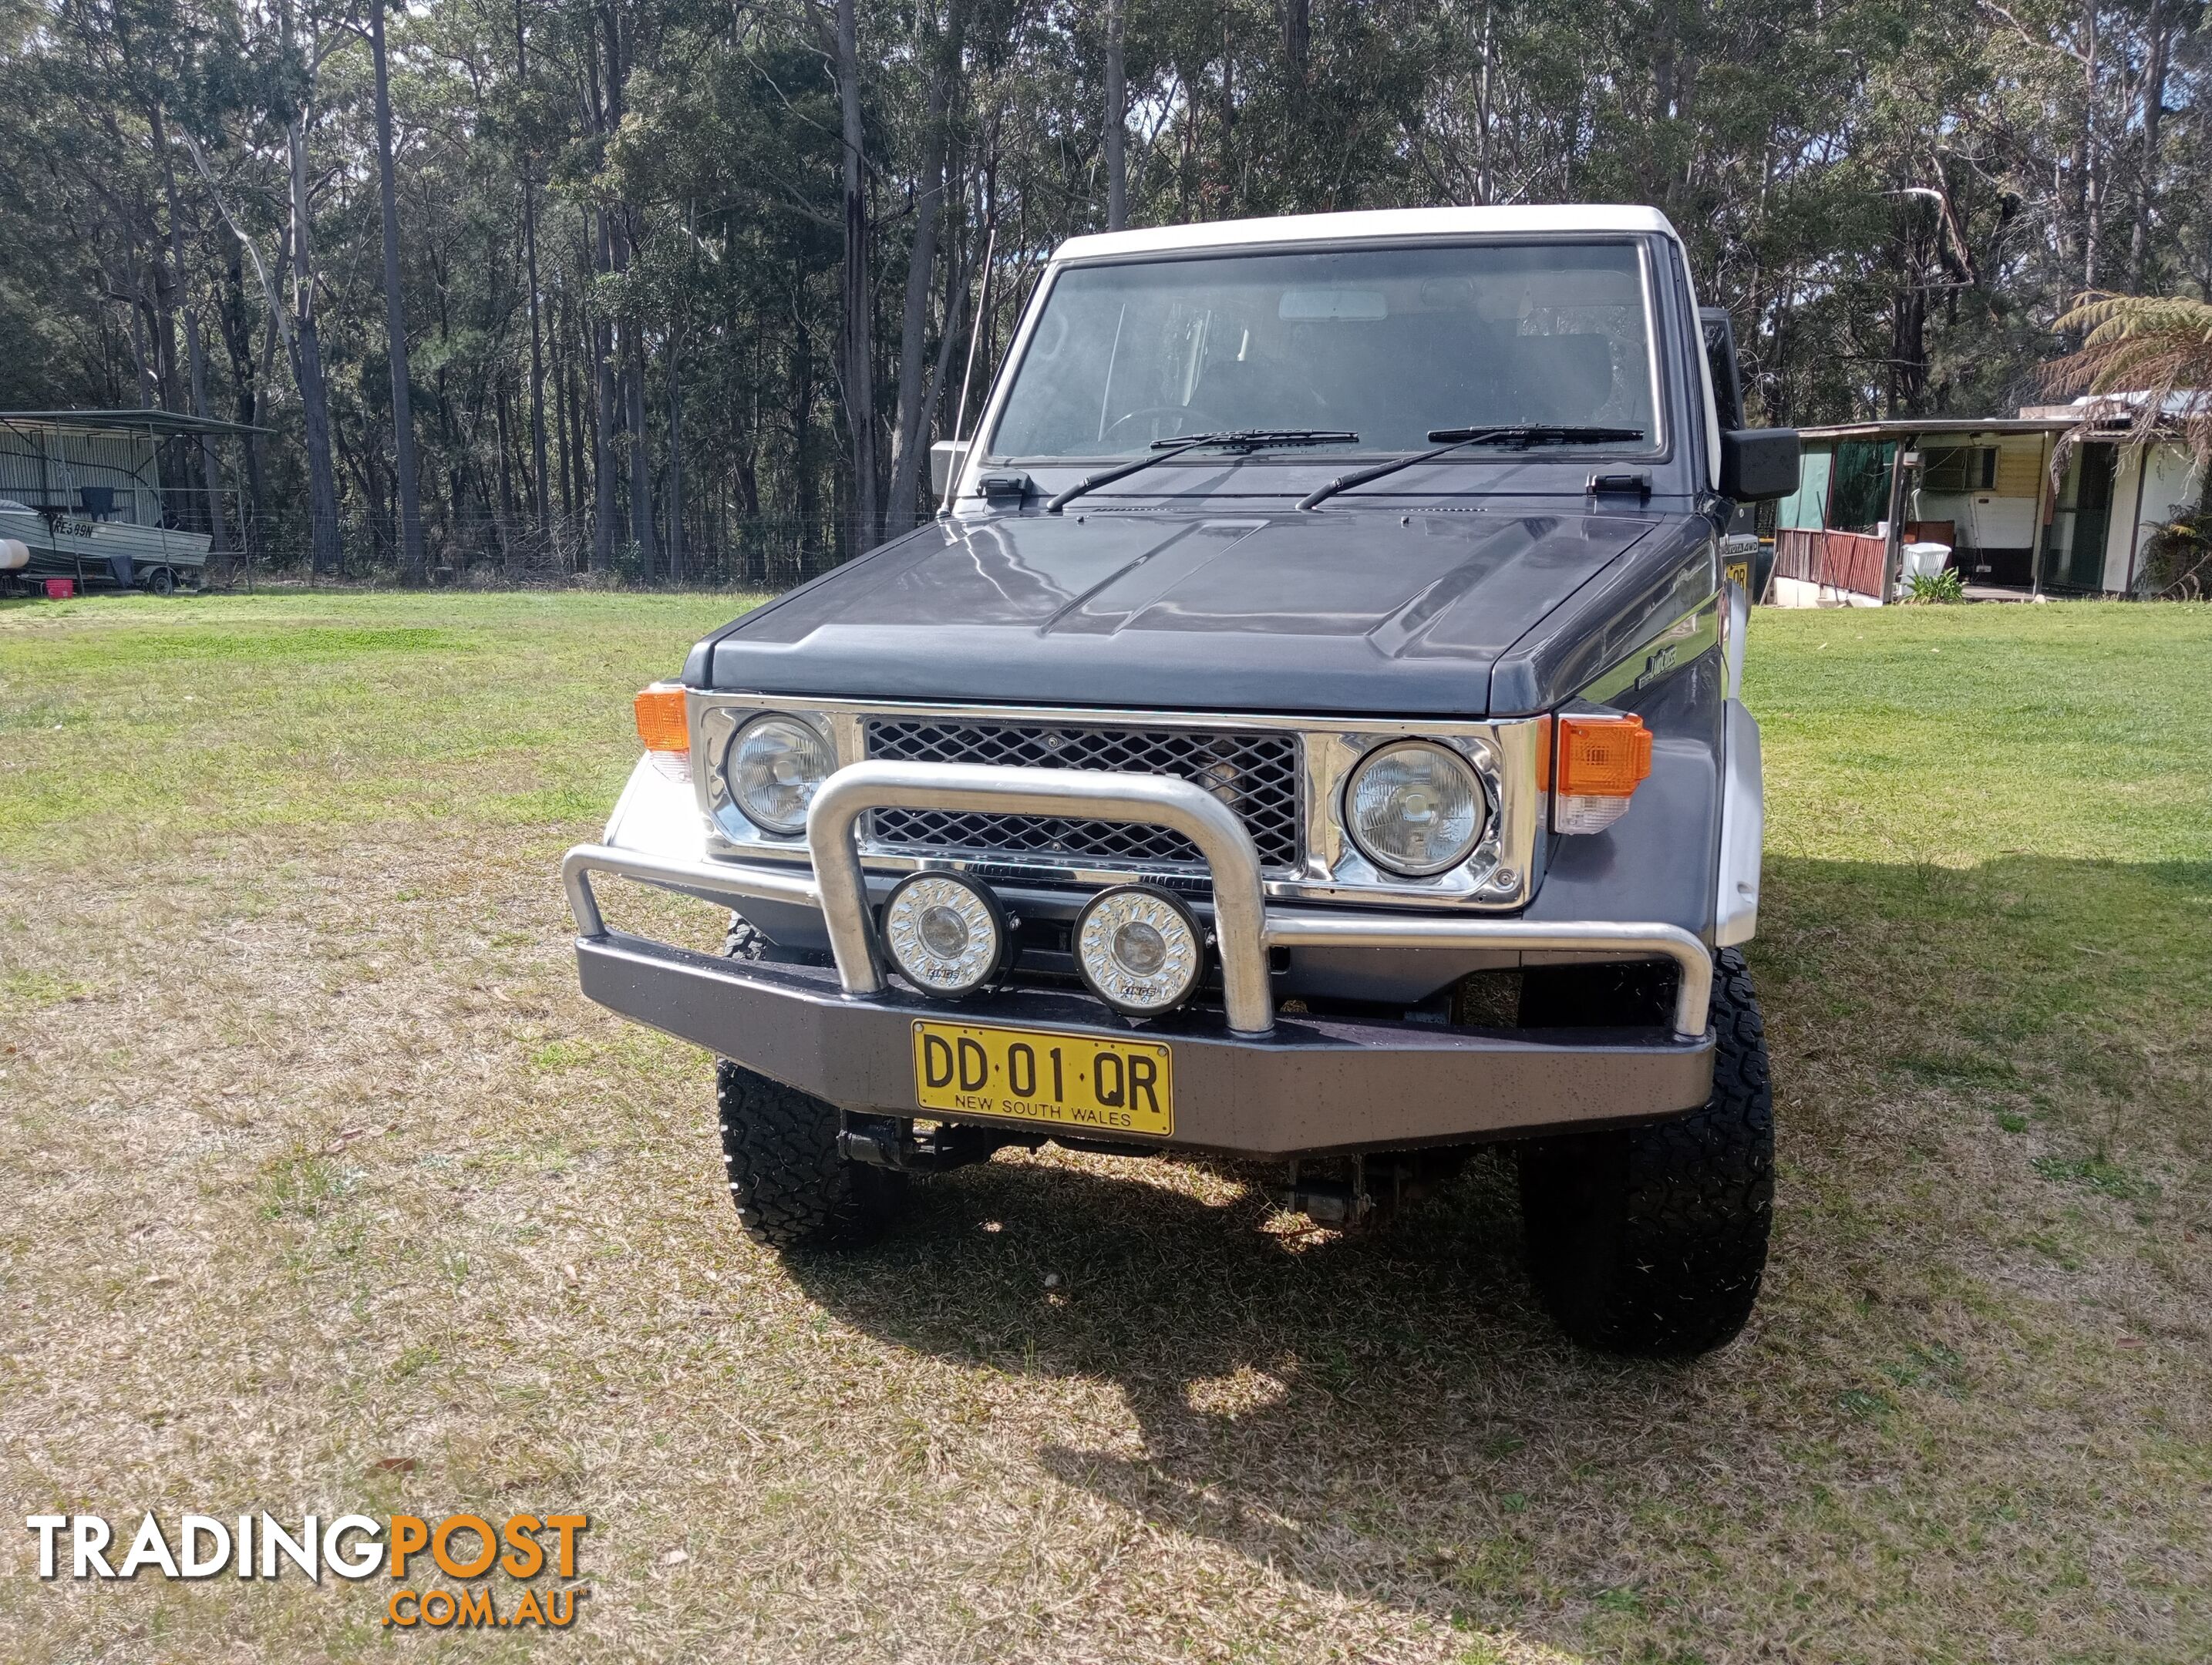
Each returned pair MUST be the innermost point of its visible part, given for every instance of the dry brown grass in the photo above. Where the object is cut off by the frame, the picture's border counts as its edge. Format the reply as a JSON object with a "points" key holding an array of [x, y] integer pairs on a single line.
{"points": [[316, 1160]]}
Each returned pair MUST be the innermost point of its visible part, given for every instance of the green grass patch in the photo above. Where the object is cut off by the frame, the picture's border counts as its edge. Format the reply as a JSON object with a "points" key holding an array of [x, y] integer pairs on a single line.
{"points": [[295, 709], [331, 1174], [41, 988]]}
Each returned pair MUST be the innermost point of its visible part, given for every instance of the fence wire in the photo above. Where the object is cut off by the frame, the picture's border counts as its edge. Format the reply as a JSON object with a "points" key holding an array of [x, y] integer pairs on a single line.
{"points": [[497, 550]]}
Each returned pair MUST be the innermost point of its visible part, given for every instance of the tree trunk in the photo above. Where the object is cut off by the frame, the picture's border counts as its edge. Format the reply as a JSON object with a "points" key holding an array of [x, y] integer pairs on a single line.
{"points": [[238, 342], [858, 290], [544, 504], [195, 353], [641, 462], [164, 307], [909, 438], [561, 452], [956, 306], [1117, 122], [674, 373], [503, 515], [307, 366], [805, 502], [603, 426], [141, 351], [1486, 188], [412, 566], [2093, 181], [2153, 113]]}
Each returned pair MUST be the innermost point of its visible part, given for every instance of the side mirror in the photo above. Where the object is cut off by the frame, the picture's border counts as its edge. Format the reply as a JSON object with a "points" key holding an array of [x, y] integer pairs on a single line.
{"points": [[946, 458], [1719, 330], [1759, 464]]}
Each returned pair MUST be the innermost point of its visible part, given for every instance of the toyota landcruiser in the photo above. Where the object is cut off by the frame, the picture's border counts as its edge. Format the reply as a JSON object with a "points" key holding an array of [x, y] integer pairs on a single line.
{"points": [[1309, 732]]}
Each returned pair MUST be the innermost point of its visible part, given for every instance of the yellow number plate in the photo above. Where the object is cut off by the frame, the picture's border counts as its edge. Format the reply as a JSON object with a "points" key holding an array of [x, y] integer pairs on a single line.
{"points": [[1100, 1088]]}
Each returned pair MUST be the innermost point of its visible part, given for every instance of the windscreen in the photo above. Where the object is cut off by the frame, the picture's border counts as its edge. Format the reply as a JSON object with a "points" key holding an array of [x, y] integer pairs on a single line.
{"points": [[1387, 343]]}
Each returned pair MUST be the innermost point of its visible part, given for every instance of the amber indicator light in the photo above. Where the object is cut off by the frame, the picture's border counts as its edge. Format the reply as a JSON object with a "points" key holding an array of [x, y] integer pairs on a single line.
{"points": [[660, 720], [1602, 757]]}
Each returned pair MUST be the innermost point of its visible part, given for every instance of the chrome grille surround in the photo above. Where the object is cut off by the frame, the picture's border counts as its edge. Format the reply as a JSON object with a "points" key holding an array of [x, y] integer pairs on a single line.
{"points": [[1323, 866], [1254, 774]]}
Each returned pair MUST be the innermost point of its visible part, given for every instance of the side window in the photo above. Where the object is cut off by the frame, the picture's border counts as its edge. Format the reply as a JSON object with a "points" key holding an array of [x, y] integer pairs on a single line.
{"points": [[1720, 354], [1958, 468]]}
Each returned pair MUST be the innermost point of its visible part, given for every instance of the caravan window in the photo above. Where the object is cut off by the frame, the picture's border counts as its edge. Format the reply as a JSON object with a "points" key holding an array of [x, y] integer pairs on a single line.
{"points": [[1959, 468]]}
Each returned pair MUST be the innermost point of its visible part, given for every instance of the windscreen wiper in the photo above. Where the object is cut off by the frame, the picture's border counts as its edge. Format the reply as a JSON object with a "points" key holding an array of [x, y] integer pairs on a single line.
{"points": [[1520, 435], [1246, 440]]}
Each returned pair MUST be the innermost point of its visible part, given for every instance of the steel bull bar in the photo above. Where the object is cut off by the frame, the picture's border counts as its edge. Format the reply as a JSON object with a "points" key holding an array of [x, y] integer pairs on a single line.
{"points": [[785, 1017]]}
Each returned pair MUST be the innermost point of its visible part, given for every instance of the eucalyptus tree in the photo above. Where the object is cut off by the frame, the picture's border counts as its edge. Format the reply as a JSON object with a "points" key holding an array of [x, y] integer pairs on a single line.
{"points": [[681, 288], [411, 560]]}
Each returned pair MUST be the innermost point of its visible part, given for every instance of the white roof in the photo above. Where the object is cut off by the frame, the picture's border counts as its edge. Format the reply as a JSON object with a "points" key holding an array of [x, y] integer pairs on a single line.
{"points": [[1391, 223], [2181, 402]]}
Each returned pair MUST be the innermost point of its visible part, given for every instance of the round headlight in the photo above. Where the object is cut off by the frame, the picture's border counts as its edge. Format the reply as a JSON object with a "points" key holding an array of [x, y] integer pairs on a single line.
{"points": [[772, 768], [1414, 808], [947, 935], [1139, 949]]}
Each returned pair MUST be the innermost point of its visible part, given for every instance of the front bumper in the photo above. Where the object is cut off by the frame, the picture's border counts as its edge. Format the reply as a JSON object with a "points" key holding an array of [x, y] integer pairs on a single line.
{"points": [[1313, 1084], [1248, 1081]]}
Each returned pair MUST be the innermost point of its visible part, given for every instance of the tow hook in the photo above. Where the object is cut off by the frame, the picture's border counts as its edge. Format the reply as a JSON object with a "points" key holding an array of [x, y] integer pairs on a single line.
{"points": [[1334, 1202], [890, 1141], [1374, 1189]]}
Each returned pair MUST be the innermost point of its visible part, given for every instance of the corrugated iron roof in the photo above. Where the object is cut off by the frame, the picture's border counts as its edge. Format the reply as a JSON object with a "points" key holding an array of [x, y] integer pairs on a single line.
{"points": [[1903, 427], [167, 424]]}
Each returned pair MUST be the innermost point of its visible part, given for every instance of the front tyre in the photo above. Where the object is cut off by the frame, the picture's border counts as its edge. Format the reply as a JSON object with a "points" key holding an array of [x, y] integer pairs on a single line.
{"points": [[1652, 1240], [792, 1188]]}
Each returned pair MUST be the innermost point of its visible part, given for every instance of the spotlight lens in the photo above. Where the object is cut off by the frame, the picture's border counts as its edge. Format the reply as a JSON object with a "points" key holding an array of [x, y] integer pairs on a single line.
{"points": [[945, 935], [1415, 808], [1139, 949]]}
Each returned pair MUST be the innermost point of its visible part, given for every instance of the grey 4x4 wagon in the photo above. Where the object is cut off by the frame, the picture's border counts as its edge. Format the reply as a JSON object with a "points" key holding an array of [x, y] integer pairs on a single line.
{"points": [[1310, 731]]}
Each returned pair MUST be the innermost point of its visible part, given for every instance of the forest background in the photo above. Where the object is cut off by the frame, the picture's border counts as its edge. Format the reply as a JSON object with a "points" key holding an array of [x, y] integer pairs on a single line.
{"points": [[681, 290]]}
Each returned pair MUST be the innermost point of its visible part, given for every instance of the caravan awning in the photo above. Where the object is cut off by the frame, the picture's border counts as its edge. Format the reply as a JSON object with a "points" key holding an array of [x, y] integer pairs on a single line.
{"points": [[1905, 428]]}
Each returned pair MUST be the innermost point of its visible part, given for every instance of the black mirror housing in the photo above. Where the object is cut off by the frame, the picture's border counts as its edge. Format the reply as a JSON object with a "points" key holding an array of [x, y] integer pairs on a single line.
{"points": [[1759, 464]]}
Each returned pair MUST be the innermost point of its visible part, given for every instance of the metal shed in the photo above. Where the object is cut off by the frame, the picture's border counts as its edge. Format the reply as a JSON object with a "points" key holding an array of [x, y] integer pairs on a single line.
{"points": [[90, 496]]}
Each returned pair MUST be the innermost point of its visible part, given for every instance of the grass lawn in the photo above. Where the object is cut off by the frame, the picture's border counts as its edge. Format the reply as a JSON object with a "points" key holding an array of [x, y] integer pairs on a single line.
{"points": [[326, 1191]]}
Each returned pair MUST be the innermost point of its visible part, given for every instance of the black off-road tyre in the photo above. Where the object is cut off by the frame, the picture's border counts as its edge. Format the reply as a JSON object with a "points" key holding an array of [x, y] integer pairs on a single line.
{"points": [[792, 1188], [1651, 1240]]}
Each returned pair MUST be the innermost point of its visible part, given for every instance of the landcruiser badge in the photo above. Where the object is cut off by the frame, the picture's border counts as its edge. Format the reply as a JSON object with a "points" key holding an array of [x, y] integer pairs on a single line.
{"points": [[1657, 664]]}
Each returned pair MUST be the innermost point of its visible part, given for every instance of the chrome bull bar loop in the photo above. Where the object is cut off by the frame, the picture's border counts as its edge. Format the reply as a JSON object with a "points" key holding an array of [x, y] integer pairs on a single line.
{"points": [[1239, 912], [1245, 928]]}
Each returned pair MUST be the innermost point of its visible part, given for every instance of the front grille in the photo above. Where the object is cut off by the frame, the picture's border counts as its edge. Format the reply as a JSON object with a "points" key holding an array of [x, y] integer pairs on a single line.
{"points": [[1256, 775]]}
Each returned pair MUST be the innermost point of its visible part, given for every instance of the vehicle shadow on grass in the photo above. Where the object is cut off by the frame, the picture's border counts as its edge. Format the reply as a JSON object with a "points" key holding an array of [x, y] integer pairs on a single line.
{"points": [[1390, 1416]]}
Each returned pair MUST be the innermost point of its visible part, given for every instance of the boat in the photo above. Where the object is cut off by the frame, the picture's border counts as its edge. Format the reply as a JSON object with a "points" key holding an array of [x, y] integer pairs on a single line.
{"points": [[88, 495]]}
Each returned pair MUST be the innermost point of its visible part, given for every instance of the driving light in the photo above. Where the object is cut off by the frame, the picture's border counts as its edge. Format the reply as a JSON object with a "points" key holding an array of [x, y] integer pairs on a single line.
{"points": [[1139, 949], [1602, 760], [947, 935], [1414, 808], [774, 764], [660, 721]]}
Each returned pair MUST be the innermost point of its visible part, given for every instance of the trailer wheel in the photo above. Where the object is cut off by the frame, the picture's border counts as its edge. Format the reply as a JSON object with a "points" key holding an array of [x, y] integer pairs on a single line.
{"points": [[162, 581]]}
